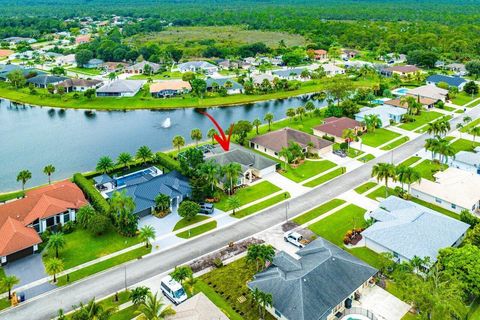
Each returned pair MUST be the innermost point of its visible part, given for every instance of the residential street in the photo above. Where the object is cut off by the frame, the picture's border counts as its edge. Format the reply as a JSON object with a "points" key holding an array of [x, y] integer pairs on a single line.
{"points": [[46, 306]]}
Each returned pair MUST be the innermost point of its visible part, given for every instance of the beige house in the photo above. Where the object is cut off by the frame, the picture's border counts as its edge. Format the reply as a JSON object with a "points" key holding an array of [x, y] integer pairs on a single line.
{"points": [[334, 127], [198, 307]]}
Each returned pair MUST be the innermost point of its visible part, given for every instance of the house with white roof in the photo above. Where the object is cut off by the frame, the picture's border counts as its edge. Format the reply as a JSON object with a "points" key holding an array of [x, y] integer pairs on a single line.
{"points": [[467, 161], [386, 113], [407, 230], [453, 189], [120, 88], [290, 74], [332, 70], [197, 66], [429, 91]]}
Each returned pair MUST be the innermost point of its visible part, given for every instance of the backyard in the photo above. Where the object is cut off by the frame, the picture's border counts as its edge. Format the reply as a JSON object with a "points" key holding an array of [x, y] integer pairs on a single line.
{"points": [[378, 137], [419, 120], [427, 168], [307, 169], [248, 194]]}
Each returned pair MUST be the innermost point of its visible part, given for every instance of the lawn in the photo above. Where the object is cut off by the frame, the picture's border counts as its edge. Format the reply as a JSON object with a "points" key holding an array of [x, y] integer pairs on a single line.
{"points": [[185, 223], [351, 152], [427, 168], [379, 137], [123, 297], [261, 205], [470, 125], [395, 143], [161, 76], [409, 161], [193, 232], [90, 72], [11, 195], [446, 212], [104, 265], [4, 303], [380, 193], [318, 211], [326, 177], [463, 98], [420, 120], [249, 194], [365, 187], [125, 314], [307, 170], [366, 158], [464, 145], [82, 246]]}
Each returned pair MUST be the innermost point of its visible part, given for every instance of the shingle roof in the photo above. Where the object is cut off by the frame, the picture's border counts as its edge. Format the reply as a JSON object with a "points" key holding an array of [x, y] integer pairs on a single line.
{"points": [[309, 288], [451, 81], [198, 307], [335, 126], [45, 79], [276, 140], [429, 91], [285, 73], [77, 82], [120, 85], [141, 65], [222, 81], [196, 64], [246, 158], [467, 157]]}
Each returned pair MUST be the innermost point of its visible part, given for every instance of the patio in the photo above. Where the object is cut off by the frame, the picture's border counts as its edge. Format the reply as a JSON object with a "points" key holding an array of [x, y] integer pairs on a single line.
{"points": [[382, 304]]}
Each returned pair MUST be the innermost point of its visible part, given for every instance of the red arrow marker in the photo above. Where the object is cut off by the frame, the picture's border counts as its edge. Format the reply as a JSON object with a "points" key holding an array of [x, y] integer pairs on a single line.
{"points": [[223, 140]]}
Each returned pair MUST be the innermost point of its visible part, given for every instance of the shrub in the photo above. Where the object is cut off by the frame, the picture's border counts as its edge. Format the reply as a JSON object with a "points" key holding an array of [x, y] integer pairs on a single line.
{"points": [[218, 263], [329, 138], [69, 227], [92, 194], [166, 161], [99, 224]]}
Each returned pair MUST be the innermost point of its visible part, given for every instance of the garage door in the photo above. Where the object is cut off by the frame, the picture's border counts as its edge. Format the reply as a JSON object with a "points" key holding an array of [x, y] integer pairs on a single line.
{"points": [[20, 254], [267, 171]]}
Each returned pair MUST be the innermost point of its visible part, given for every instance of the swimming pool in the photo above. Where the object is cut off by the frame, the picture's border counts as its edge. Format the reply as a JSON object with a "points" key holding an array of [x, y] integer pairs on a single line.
{"points": [[400, 91], [121, 181]]}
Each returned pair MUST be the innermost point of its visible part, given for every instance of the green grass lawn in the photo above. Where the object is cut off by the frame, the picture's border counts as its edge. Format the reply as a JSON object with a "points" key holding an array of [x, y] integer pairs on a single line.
{"points": [[104, 265], [366, 158], [427, 168], [432, 206], [470, 125], [11, 195], [380, 193], [365, 187], [160, 76], [463, 98], [420, 120], [318, 211], [326, 177], [464, 145], [4, 303], [307, 170], [123, 297], [379, 137], [459, 111], [193, 232], [185, 223], [249, 194], [395, 143], [409, 161], [90, 72], [125, 314], [351, 152], [82, 246], [261, 205], [447, 108]]}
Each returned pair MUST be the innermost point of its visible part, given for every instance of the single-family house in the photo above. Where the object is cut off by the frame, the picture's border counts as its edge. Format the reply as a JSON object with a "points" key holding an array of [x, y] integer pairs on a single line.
{"points": [[334, 127], [15, 40], [392, 58], [259, 78], [425, 102], [83, 38], [198, 66], [386, 113], [198, 307], [94, 64], [21, 221], [4, 53], [458, 68], [402, 71], [43, 81], [114, 66], [272, 142], [169, 88], [68, 59], [349, 54], [6, 69], [453, 189], [320, 55], [439, 64], [357, 64], [320, 285], [139, 68], [429, 91], [232, 86], [407, 230], [332, 70], [120, 88], [457, 82], [79, 85], [467, 161], [291, 74]]}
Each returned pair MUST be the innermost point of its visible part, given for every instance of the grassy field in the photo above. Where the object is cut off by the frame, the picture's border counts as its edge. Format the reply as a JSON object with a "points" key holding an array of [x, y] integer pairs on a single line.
{"points": [[420, 120], [464, 145], [395, 143], [249, 194], [379, 137], [409, 161], [428, 168], [365, 187], [185, 223], [326, 177], [318, 211], [463, 98], [193, 232], [261, 205], [307, 170]]}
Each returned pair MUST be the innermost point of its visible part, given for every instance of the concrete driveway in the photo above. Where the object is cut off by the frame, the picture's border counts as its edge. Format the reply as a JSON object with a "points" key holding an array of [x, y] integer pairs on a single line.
{"points": [[382, 303]]}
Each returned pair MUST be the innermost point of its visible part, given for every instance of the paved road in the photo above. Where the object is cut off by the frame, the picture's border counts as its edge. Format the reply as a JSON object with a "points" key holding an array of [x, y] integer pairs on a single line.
{"points": [[46, 306]]}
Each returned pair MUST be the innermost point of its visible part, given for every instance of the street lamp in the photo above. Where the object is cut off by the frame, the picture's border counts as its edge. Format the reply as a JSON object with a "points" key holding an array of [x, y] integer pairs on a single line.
{"points": [[286, 207]]}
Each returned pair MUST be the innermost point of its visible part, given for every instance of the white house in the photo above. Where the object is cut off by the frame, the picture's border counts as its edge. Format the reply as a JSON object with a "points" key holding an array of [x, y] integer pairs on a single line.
{"points": [[429, 91], [197, 66], [332, 70], [386, 113], [120, 88], [467, 161]]}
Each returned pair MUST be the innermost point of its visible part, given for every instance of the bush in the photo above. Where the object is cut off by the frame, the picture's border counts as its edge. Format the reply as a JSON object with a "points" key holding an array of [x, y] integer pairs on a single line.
{"points": [[344, 146], [162, 159], [329, 138], [99, 224], [69, 227], [92, 194], [218, 263]]}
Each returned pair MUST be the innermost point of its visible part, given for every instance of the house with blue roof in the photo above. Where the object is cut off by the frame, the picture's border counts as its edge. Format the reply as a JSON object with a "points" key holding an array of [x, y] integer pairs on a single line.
{"points": [[457, 82]]}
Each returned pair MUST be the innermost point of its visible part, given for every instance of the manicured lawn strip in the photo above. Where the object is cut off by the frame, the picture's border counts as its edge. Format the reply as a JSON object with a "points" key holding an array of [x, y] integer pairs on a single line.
{"points": [[125, 314], [91, 72], [11, 195], [82, 246], [351, 152], [366, 158], [470, 125], [260, 206], [217, 299], [104, 265], [367, 255], [307, 170], [459, 111], [420, 120], [427, 168], [463, 98], [380, 193], [464, 145], [318, 211], [193, 232], [185, 223], [249, 194], [446, 212], [326, 177], [409, 161], [161, 76], [395, 143], [4, 303], [448, 108], [123, 297], [365, 187], [379, 137]]}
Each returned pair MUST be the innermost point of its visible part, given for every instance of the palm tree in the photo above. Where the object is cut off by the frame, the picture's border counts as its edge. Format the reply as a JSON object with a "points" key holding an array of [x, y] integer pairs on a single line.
{"points": [[290, 113], [178, 142], [93, 311], [459, 127], [432, 144], [23, 176], [300, 112], [49, 170], [144, 153], [372, 121], [211, 133], [269, 118], [286, 155], [384, 171], [56, 242], [153, 308], [189, 283], [408, 175], [53, 267], [446, 150], [309, 106], [349, 135], [433, 128], [467, 119], [162, 202], [124, 159], [7, 283], [256, 298], [232, 171], [266, 300], [233, 203], [105, 164], [256, 123], [210, 170], [413, 106], [196, 135], [475, 132], [146, 234], [112, 76]]}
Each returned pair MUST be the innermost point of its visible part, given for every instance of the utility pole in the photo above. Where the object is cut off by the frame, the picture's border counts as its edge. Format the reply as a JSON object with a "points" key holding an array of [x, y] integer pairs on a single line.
{"points": [[286, 207], [125, 268]]}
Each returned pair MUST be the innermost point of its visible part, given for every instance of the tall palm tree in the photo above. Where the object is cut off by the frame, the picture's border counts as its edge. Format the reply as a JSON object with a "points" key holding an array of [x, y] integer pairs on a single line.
{"points": [[413, 106], [349, 135], [153, 308], [266, 300], [290, 113], [105, 164], [256, 293], [300, 112], [53, 267], [7, 283], [286, 155], [433, 128], [210, 170], [233, 203], [144, 153], [23, 176], [124, 159], [147, 233], [384, 171], [467, 119], [372, 121], [309, 106], [196, 135], [49, 170], [446, 150], [408, 175], [269, 118], [432, 145], [475, 132], [232, 171], [56, 242], [459, 127], [178, 142], [256, 123], [211, 133]]}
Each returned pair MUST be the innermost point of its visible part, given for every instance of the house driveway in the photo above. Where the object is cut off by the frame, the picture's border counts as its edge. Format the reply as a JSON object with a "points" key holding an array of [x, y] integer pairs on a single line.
{"points": [[382, 303], [274, 237], [286, 184]]}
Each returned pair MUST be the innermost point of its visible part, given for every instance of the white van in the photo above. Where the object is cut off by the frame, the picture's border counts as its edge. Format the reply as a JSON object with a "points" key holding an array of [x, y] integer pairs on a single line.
{"points": [[173, 290]]}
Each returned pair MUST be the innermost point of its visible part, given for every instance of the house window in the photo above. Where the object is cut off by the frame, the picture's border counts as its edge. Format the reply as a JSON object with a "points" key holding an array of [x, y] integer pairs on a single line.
{"points": [[50, 222], [438, 200], [454, 206], [66, 217], [277, 313], [395, 255]]}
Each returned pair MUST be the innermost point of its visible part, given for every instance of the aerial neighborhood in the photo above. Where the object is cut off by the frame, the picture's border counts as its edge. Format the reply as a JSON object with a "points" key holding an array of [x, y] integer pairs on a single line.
{"points": [[177, 168]]}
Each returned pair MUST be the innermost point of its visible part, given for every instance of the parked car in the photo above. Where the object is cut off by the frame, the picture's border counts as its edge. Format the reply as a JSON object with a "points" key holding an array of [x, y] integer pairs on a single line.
{"points": [[173, 290], [295, 238], [206, 208], [340, 153]]}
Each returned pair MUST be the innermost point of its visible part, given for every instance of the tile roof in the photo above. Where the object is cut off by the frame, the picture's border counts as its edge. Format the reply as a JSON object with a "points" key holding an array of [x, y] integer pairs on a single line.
{"points": [[198, 307], [429, 91], [403, 69], [276, 140], [335, 126], [170, 85], [397, 102]]}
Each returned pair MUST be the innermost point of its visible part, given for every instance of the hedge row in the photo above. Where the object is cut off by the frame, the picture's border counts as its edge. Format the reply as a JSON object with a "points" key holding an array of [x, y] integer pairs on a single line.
{"points": [[166, 161], [92, 194]]}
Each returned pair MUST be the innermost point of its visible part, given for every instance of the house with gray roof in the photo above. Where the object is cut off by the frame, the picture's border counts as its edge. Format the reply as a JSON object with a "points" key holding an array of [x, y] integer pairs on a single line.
{"points": [[120, 88], [139, 68], [42, 81], [6, 69], [198, 66], [320, 285], [94, 64], [467, 161], [290, 74], [407, 230], [386, 113], [232, 86]]}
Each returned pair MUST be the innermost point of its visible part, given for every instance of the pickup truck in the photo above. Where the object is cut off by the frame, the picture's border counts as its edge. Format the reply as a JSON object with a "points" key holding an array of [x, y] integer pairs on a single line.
{"points": [[295, 238]]}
